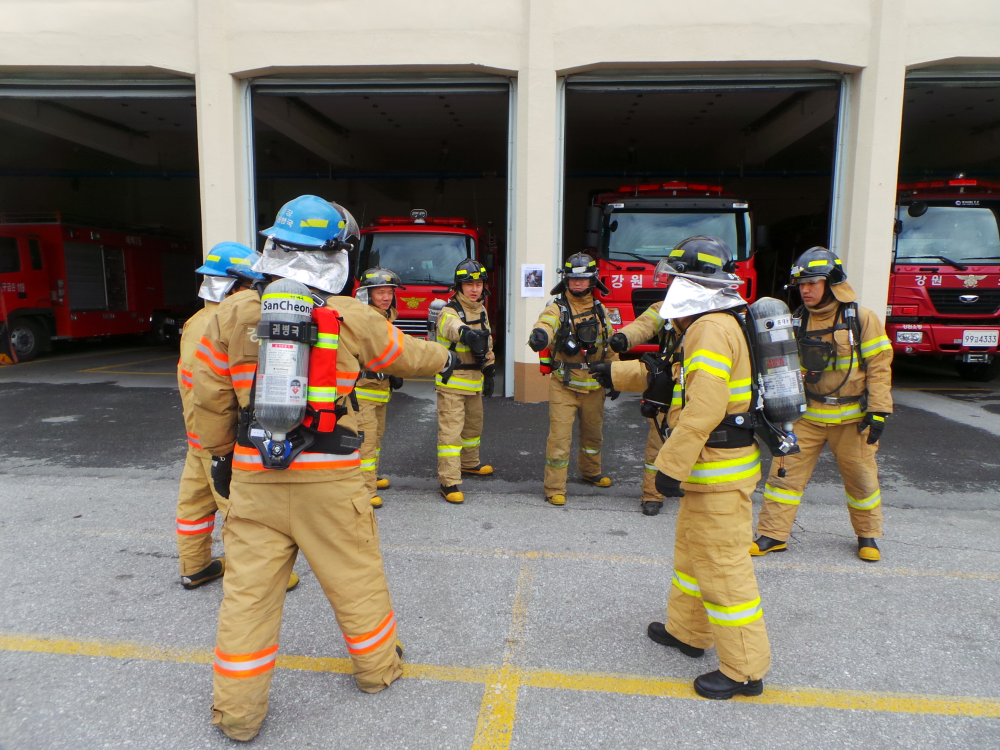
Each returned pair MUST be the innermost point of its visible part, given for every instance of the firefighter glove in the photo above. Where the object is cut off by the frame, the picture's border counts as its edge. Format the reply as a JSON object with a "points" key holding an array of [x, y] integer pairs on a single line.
{"points": [[478, 341], [538, 340], [395, 382], [668, 486], [619, 343], [222, 474], [602, 374], [488, 380], [449, 368], [874, 420]]}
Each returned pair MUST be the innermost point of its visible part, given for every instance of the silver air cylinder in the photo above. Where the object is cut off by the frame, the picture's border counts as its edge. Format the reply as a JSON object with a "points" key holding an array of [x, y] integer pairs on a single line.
{"points": [[433, 313], [283, 365], [777, 357]]}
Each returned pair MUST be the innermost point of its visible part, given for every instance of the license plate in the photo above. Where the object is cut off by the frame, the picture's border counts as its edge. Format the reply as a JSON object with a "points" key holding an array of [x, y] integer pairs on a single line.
{"points": [[980, 338]]}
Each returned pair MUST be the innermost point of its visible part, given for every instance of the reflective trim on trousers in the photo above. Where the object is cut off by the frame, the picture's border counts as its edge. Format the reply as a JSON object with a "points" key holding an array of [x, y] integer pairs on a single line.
{"points": [[651, 468], [781, 495], [449, 450], [833, 415], [363, 644], [556, 463], [193, 440], [714, 472], [590, 451], [242, 666], [687, 584], [460, 384], [867, 503], [366, 394], [204, 525], [474, 443], [739, 614], [368, 464]]}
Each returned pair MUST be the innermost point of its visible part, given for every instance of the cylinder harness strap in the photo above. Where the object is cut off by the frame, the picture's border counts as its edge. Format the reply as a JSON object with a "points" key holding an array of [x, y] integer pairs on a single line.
{"points": [[817, 355], [574, 338]]}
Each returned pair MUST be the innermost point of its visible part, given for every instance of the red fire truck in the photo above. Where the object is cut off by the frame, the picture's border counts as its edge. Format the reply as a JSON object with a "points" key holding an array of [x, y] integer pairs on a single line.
{"points": [[67, 279], [424, 251], [944, 291], [633, 228]]}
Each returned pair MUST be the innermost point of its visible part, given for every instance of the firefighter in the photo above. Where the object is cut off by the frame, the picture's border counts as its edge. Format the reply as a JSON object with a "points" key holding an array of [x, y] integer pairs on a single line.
{"points": [[712, 465], [570, 335], [319, 503], [846, 359], [196, 500], [464, 327], [374, 389], [642, 329]]}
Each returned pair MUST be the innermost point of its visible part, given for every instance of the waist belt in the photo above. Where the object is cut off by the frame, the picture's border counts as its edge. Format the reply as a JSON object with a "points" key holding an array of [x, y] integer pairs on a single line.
{"points": [[341, 440], [838, 400], [734, 431], [369, 375], [470, 366]]}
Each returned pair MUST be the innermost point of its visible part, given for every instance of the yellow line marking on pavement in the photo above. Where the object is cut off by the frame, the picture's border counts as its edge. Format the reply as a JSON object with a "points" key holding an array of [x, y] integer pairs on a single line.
{"points": [[107, 368], [620, 684], [129, 372], [982, 390], [78, 356], [861, 568], [498, 711]]}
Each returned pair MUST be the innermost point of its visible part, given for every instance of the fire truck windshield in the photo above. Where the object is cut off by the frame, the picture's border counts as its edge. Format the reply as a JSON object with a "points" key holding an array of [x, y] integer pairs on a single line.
{"points": [[952, 232], [418, 257], [651, 236]]}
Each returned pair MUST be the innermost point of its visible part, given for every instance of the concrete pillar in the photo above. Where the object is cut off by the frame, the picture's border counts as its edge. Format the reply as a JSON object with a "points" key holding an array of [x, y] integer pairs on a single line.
{"points": [[876, 117], [535, 189], [221, 133]]}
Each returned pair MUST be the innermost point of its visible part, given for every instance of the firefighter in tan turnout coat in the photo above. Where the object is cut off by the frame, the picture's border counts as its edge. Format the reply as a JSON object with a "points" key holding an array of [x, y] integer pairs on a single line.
{"points": [[847, 360], [464, 328], [570, 336], [714, 598], [319, 504]]}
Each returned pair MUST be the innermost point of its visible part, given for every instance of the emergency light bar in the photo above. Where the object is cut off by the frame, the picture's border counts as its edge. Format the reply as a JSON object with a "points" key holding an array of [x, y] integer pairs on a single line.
{"points": [[960, 182], [658, 186], [443, 221]]}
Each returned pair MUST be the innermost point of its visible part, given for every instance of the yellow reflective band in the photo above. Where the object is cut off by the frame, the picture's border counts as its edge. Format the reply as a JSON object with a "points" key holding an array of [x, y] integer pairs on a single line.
{"points": [[276, 295], [687, 584], [875, 345], [867, 503], [460, 384], [328, 341], [212, 257], [818, 263], [833, 414], [739, 390], [730, 470], [366, 394], [878, 418], [781, 495], [471, 443], [740, 614], [238, 261], [322, 393], [590, 451], [319, 223], [556, 463], [676, 253], [837, 261], [710, 362], [651, 468], [449, 450], [705, 258]]}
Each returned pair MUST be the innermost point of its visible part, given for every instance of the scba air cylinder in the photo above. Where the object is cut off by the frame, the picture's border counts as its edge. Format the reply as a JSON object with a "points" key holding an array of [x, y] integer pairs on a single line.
{"points": [[778, 362], [283, 364]]}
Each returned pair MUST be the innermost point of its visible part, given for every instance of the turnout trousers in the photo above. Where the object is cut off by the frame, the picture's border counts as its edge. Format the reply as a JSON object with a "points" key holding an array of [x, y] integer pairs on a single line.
{"points": [[714, 597], [564, 404], [196, 506], [371, 419], [460, 429], [653, 445], [856, 460], [333, 524]]}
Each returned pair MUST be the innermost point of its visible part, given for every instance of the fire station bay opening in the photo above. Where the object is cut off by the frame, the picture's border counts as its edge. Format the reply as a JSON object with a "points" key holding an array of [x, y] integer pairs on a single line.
{"points": [[115, 163], [421, 166], [766, 146]]}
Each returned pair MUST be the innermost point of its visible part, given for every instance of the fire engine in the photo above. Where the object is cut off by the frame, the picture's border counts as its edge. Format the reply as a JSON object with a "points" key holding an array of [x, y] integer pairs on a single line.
{"points": [[61, 279], [424, 251], [944, 290], [634, 227]]}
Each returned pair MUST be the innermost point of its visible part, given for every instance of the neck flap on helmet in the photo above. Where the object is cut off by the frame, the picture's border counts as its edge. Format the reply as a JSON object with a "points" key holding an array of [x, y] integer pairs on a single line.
{"points": [[326, 270], [686, 297], [215, 288]]}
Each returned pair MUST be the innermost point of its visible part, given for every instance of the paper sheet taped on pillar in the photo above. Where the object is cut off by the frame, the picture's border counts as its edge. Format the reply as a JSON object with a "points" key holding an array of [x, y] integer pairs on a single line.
{"points": [[782, 384]]}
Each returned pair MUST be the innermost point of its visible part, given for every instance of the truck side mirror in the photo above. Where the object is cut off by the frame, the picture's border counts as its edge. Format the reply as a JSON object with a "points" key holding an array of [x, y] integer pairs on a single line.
{"points": [[897, 227], [489, 260], [592, 235], [917, 209], [613, 226], [762, 238]]}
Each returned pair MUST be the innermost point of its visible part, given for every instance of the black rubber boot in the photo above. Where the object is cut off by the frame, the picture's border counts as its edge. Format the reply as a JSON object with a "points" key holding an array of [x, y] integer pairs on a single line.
{"points": [[868, 550], [717, 687], [657, 632], [651, 508], [764, 544], [214, 570]]}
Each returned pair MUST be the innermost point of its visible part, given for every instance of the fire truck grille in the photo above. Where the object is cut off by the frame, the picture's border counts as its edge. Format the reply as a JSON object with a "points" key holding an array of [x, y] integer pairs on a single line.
{"points": [[643, 298], [949, 302], [416, 327]]}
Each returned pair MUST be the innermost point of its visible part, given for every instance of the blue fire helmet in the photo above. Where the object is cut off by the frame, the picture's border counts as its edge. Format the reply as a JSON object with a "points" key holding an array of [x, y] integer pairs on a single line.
{"points": [[230, 259], [309, 222]]}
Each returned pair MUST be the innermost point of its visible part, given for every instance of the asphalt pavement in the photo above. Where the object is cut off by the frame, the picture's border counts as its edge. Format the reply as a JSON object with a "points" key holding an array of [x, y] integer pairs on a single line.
{"points": [[524, 624]]}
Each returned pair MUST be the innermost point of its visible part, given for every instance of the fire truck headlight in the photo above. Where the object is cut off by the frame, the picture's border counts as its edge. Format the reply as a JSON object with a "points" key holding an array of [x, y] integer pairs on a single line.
{"points": [[909, 337], [615, 316]]}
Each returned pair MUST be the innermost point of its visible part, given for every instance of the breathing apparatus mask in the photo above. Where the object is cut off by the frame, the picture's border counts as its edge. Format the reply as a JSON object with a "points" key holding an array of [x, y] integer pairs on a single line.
{"points": [[816, 355], [215, 288], [659, 386], [584, 339]]}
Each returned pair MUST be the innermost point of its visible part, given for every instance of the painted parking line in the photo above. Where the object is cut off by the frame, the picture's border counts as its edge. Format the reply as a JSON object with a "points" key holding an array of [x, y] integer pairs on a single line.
{"points": [[110, 368], [621, 684], [50, 360]]}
